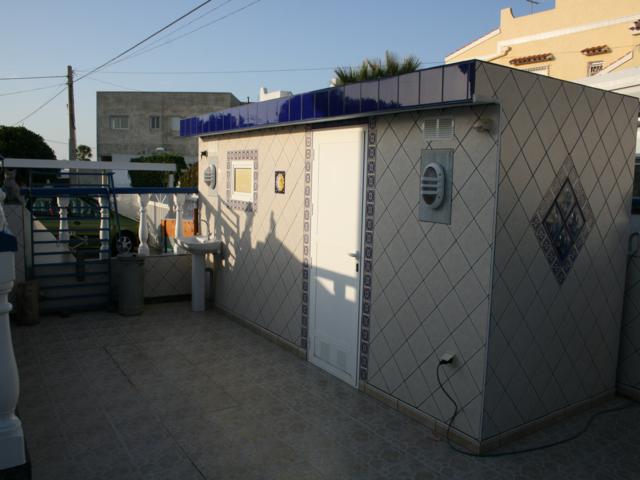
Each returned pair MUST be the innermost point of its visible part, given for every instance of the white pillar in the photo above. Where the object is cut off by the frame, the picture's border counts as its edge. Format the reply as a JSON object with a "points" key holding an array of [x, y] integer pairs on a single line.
{"points": [[143, 247], [104, 228], [12, 452], [178, 200], [63, 206]]}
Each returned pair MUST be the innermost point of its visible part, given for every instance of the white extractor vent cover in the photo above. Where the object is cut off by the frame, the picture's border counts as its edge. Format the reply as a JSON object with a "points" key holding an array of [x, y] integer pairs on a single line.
{"points": [[437, 128]]}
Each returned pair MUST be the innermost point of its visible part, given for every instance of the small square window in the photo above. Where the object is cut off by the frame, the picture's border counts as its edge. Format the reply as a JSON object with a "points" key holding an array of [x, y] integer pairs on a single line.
{"points": [[154, 122], [119, 122], [242, 181], [175, 124]]}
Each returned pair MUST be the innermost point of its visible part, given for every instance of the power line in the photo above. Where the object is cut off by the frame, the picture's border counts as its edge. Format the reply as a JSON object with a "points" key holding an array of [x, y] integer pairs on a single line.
{"points": [[182, 27], [157, 32], [114, 84], [238, 10], [6, 94], [114, 58], [32, 78], [41, 106], [221, 72]]}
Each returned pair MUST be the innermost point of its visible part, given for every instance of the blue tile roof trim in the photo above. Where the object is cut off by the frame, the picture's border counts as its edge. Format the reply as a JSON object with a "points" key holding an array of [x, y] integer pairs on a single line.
{"points": [[437, 86]]}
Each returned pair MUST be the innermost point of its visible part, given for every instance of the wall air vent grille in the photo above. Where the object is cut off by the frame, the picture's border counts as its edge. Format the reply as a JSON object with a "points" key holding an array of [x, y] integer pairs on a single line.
{"points": [[437, 128]]}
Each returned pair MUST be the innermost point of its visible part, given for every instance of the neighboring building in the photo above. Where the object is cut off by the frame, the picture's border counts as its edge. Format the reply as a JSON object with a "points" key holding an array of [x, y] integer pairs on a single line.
{"points": [[131, 124], [576, 39], [265, 94], [377, 226]]}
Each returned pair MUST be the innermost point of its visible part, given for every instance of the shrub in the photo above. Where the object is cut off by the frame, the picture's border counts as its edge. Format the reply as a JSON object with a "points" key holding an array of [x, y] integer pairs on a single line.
{"points": [[156, 179]]}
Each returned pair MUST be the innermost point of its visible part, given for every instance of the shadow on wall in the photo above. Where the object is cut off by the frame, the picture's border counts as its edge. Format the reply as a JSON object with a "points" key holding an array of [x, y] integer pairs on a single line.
{"points": [[272, 296]]}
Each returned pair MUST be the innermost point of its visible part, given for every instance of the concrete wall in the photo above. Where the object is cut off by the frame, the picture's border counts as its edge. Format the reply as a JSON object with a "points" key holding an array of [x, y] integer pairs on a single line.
{"points": [[431, 282], [260, 278], [139, 138], [555, 324]]}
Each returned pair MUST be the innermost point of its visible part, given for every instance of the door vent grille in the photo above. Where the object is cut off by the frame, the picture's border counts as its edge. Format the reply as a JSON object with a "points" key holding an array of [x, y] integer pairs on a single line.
{"points": [[437, 128]]}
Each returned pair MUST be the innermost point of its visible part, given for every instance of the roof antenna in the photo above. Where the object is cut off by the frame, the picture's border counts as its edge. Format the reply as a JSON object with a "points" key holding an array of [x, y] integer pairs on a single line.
{"points": [[532, 3]]}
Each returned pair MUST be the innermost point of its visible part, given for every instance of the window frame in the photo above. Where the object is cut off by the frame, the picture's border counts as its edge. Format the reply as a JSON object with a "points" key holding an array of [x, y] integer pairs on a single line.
{"points": [[115, 122], [237, 165], [151, 122]]}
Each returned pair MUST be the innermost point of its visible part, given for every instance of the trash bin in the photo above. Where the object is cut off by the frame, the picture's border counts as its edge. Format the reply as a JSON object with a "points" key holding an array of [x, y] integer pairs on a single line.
{"points": [[130, 280]]}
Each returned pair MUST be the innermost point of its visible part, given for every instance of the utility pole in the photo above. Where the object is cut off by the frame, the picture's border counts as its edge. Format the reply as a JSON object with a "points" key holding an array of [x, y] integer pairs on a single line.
{"points": [[72, 115]]}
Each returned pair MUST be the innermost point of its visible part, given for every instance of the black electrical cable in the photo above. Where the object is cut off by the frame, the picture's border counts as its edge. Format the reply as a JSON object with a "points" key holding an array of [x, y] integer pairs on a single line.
{"points": [[524, 450]]}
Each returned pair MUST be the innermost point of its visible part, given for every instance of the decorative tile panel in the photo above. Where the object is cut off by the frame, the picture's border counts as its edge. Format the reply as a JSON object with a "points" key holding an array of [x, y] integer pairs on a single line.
{"points": [[563, 221], [251, 155]]}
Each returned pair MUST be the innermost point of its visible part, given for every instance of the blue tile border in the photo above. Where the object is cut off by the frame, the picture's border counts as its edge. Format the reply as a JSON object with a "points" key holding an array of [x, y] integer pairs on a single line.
{"points": [[306, 240], [243, 155], [561, 264], [437, 86], [367, 261]]}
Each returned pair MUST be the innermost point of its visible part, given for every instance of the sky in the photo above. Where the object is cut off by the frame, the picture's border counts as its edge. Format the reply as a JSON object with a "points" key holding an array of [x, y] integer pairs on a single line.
{"points": [[308, 38]]}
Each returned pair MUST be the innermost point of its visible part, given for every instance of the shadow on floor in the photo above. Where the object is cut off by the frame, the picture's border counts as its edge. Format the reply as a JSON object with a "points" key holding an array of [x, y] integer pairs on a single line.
{"points": [[180, 395]]}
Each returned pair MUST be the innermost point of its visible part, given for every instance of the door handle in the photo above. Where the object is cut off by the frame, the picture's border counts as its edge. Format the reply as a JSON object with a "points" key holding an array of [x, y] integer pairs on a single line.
{"points": [[355, 255]]}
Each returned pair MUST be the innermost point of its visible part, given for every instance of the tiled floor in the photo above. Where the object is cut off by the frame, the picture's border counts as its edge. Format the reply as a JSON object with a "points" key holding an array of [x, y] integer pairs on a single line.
{"points": [[177, 395]]}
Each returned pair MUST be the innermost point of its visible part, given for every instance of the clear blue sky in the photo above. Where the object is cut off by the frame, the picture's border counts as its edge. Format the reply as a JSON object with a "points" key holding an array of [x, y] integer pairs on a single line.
{"points": [[42, 37]]}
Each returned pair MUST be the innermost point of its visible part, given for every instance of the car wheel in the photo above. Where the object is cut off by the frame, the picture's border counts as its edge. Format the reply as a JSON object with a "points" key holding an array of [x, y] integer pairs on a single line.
{"points": [[123, 243]]}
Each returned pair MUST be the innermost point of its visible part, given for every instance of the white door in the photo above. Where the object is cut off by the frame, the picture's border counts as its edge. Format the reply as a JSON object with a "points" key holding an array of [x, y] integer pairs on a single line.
{"points": [[335, 250]]}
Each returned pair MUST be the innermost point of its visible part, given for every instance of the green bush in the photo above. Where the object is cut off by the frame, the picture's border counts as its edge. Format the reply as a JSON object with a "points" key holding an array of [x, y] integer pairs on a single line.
{"points": [[156, 179]]}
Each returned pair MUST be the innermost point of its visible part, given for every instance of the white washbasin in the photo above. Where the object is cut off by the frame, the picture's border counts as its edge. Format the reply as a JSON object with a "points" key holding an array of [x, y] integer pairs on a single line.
{"points": [[200, 244]]}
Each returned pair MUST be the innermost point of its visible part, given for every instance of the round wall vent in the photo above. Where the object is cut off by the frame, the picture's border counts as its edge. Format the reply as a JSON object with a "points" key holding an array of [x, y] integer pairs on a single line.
{"points": [[432, 185], [210, 176]]}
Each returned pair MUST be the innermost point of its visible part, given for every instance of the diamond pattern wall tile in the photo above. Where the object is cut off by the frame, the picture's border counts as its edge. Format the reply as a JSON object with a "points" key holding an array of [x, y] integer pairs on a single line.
{"points": [[556, 298], [167, 275], [434, 278], [265, 248]]}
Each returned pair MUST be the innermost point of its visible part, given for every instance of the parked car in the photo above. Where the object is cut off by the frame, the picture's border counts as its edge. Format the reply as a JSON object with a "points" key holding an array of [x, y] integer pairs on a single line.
{"points": [[84, 224]]}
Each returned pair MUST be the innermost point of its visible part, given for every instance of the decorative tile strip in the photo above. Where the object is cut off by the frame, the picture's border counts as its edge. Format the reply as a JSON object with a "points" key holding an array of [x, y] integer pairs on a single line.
{"points": [[306, 242], [368, 247], [243, 155]]}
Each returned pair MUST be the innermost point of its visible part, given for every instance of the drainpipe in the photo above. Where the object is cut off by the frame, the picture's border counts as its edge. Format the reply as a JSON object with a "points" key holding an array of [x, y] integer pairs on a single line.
{"points": [[12, 452]]}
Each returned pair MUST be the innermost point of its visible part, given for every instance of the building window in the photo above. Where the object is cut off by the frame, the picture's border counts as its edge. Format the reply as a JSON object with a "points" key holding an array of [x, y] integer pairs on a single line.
{"points": [[119, 122], [539, 70], [594, 68], [106, 158], [242, 178], [154, 122], [175, 124]]}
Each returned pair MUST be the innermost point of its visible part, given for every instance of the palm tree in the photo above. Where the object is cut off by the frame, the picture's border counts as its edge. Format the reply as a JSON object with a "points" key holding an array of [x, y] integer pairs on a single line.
{"points": [[371, 69]]}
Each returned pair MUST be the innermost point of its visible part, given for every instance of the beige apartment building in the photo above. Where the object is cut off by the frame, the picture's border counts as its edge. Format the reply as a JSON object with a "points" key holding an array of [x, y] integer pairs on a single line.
{"points": [[574, 40]]}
